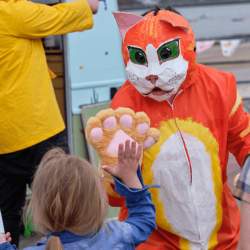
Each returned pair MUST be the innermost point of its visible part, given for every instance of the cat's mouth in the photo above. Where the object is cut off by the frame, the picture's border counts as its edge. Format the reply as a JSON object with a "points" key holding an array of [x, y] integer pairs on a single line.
{"points": [[159, 92]]}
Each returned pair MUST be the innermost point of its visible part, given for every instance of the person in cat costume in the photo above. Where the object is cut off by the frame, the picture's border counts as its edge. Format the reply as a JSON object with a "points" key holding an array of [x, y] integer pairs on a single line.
{"points": [[200, 116]]}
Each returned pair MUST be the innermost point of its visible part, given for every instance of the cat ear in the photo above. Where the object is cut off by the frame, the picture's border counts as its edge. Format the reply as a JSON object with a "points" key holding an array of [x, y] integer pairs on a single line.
{"points": [[125, 21], [175, 20]]}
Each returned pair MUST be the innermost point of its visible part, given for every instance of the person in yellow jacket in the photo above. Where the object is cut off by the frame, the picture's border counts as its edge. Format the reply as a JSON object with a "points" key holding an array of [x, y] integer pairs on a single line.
{"points": [[30, 120]]}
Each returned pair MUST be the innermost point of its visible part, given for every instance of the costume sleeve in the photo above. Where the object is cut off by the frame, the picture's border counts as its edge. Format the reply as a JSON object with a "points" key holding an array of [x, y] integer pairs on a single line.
{"points": [[7, 246], [141, 215], [238, 124], [32, 20]]}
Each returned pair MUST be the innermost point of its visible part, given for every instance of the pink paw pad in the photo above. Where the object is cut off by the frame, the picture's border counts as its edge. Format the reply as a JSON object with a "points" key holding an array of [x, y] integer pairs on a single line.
{"points": [[126, 121], [149, 142], [96, 134], [142, 128], [109, 123]]}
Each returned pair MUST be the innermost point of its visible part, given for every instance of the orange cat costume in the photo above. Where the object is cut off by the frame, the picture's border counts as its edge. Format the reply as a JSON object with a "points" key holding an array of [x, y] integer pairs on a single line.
{"points": [[201, 120]]}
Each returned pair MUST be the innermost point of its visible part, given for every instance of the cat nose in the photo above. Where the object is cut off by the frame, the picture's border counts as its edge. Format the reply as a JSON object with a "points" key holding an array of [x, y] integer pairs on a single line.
{"points": [[152, 78]]}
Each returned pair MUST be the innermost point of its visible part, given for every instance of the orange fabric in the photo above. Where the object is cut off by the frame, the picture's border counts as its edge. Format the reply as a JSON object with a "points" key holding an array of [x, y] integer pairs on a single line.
{"points": [[208, 102], [115, 202], [158, 241]]}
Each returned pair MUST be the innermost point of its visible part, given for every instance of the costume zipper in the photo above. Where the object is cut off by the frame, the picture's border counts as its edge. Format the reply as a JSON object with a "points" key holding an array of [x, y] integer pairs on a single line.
{"points": [[188, 161], [182, 138], [187, 156]]}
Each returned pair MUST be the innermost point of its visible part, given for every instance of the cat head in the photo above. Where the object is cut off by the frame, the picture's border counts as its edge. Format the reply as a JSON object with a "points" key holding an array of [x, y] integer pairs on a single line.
{"points": [[158, 51]]}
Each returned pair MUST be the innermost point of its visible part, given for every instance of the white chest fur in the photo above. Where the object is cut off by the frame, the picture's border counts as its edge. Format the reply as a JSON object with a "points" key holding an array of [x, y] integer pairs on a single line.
{"points": [[190, 208]]}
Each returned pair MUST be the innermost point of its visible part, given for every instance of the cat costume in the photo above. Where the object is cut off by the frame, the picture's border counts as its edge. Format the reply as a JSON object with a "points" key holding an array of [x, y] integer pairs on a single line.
{"points": [[200, 116]]}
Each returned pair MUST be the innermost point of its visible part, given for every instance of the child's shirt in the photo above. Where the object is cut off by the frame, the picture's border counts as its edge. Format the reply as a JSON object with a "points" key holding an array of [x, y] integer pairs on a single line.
{"points": [[114, 234]]}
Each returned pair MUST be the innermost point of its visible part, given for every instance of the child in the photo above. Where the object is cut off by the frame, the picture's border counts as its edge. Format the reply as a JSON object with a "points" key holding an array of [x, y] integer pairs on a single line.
{"points": [[69, 206]]}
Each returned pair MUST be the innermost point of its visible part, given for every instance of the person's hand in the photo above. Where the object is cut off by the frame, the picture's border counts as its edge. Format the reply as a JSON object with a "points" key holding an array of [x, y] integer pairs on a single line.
{"points": [[128, 160], [94, 5], [5, 238]]}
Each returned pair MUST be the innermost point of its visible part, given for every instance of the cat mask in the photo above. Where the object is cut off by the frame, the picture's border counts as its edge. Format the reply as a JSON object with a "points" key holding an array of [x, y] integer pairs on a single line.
{"points": [[158, 52]]}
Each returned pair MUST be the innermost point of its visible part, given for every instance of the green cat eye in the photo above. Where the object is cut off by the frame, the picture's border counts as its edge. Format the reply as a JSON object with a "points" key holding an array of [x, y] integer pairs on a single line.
{"points": [[137, 56], [169, 51]]}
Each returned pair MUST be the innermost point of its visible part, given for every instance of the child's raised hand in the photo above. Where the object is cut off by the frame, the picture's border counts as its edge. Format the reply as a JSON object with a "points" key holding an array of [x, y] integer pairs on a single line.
{"points": [[5, 238], [128, 160]]}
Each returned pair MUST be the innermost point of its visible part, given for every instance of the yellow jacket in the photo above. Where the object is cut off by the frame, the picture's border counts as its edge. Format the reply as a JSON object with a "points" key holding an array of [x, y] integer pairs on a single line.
{"points": [[29, 112]]}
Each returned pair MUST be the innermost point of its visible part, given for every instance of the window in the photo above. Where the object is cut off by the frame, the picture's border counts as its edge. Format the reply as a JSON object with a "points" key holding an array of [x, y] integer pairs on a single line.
{"points": [[141, 4]]}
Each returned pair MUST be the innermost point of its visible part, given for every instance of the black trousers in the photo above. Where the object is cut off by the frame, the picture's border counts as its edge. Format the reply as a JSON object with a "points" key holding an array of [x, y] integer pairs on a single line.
{"points": [[16, 171]]}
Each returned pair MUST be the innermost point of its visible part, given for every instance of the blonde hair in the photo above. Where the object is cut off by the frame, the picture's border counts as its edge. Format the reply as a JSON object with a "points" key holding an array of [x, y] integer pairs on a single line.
{"points": [[66, 195]]}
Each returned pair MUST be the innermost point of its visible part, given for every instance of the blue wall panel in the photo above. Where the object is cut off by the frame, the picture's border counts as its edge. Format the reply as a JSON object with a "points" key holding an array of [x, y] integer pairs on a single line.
{"points": [[94, 61]]}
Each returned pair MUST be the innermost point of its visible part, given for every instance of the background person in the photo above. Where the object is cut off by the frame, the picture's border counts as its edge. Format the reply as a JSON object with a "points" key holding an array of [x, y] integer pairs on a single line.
{"points": [[30, 120], [242, 192]]}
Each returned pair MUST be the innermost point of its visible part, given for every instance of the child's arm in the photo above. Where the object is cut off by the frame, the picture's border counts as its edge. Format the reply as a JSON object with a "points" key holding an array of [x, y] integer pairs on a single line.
{"points": [[141, 218], [7, 246]]}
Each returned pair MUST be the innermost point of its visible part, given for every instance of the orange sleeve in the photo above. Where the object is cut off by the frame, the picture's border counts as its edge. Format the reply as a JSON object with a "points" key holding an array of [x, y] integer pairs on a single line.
{"points": [[125, 97], [238, 125]]}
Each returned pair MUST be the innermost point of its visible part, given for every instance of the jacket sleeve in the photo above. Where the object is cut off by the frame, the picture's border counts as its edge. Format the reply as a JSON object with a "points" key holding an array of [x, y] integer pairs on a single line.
{"points": [[7, 246], [32, 20], [238, 125], [141, 215], [114, 199]]}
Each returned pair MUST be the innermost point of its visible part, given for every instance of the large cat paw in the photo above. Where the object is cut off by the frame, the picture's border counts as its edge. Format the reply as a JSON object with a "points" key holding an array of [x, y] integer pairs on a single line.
{"points": [[111, 127]]}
